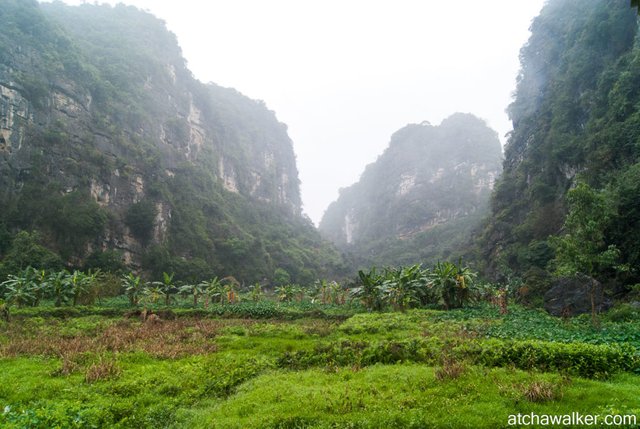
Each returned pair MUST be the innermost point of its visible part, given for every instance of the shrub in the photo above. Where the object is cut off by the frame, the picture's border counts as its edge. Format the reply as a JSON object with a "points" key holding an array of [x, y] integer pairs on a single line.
{"points": [[623, 313], [102, 370], [140, 218], [586, 360], [540, 391], [450, 369], [362, 353]]}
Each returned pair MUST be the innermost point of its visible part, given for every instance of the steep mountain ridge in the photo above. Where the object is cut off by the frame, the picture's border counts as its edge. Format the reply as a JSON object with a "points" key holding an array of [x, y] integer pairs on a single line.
{"points": [[109, 143], [421, 197], [576, 124]]}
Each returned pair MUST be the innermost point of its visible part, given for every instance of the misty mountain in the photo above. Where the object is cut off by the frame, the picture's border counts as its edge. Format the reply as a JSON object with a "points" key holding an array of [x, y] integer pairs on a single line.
{"points": [[112, 153], [422, 197], [576, 117]]}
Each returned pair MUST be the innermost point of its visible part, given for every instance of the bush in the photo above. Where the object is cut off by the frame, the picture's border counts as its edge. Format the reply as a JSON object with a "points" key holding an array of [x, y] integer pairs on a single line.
{"points": [[623, 313], [362, 353], [585, 360], [27, 251], [140, 218]]}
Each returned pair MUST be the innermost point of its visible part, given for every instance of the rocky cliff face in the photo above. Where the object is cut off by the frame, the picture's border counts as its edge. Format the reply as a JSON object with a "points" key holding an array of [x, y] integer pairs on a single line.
{"points": [[108, 142], [575, 117], [428, 179]]}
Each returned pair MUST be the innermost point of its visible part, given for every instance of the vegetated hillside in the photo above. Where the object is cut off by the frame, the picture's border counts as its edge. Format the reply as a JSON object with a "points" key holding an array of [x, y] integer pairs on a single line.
{"points": [[422, 197], [111, 150], [569, 196]]}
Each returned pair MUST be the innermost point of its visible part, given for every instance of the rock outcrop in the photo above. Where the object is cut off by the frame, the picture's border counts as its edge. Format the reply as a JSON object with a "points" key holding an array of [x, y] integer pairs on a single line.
{"points": [[570, 296], [428, 179], [105, 135]]}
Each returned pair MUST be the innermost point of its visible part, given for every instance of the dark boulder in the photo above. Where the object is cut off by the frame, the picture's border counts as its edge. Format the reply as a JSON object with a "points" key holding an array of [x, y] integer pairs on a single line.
{"points": [[570, 296]]}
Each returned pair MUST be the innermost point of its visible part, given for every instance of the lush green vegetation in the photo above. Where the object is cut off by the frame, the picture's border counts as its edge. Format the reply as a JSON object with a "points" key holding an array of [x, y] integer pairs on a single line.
{"points": [[401, 369], [422, 198], [123, 157], [568, 199], [202, 196], [218, 354], [447, 284]]}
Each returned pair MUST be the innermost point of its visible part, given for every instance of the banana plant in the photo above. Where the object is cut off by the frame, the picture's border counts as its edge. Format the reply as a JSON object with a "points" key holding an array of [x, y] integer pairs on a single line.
{"points": [[255, 292], [4, 311], [153, 292], [60, 288], [213, 291], [454, 282], [400, 287], [133, 287], [370, 292], [41, 285], [328, 292], [336, 293], [287, 293], [195, 290], [230, 291], [322, 291], [166, 288], [81, 283], [20, 290]]}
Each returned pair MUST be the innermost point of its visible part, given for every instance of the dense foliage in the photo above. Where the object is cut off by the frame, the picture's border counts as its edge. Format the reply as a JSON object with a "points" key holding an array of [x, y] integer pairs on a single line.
{"points": [[398, 370], [115, 155], [568, 198], [409, 287]]}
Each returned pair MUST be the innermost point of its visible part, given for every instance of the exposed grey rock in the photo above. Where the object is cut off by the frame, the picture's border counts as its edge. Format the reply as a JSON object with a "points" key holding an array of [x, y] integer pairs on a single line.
{"points": [[429, 178], [570, 296]]}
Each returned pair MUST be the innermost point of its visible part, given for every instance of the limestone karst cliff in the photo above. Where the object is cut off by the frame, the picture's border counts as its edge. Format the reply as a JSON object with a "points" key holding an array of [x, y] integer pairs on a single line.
{"points": [[576, 117], [110, 146], [422, 195]]}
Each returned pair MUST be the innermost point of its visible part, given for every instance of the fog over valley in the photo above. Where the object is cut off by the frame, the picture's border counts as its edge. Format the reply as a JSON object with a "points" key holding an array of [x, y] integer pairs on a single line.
{"points": [[344, 76]]}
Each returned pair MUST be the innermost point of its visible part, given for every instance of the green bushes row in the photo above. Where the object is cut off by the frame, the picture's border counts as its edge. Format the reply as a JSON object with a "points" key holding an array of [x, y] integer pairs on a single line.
{"points": [[585, 360], [242, 310]]}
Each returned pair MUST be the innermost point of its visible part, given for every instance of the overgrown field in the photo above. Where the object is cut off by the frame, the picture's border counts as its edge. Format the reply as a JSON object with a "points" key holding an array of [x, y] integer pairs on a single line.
{"points": [[297, 366]]}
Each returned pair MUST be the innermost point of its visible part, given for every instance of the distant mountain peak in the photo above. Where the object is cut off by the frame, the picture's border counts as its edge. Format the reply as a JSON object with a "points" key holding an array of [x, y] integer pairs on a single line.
{"points": [[428, 177]]}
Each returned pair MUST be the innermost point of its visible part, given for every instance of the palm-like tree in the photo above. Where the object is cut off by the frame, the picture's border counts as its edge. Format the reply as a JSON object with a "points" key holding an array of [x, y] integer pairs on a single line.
{"points": [[20, 290], [133, 287], [454, 282], [213, 291], [370, 291], [166, 288], [255, 292], [59, 287], [195, 290]]}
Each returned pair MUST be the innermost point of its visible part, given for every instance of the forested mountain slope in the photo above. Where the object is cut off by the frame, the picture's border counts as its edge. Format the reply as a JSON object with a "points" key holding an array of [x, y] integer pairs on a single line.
{"points": [[112, 152], [569, 196], [422, 197]]}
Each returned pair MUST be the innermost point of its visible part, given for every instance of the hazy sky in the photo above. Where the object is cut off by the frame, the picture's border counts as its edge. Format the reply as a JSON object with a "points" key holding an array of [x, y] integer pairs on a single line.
{"points": [[344, 75]]}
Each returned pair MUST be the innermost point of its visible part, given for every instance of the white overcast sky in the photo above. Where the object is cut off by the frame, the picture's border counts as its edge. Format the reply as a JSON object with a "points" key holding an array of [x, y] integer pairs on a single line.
{"points": [[345, 74]]}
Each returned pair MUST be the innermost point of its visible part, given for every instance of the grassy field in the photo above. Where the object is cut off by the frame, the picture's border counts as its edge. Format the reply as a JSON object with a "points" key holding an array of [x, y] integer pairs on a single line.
{"points": [[296, 366]]}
